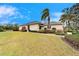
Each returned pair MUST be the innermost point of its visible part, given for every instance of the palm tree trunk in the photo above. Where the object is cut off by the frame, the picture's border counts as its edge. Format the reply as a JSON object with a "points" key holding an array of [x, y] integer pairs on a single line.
{"points": [[49, 26]]}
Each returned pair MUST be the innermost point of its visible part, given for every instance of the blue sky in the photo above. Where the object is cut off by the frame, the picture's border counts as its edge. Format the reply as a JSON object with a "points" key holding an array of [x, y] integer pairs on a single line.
{"points": [[22, 13]]}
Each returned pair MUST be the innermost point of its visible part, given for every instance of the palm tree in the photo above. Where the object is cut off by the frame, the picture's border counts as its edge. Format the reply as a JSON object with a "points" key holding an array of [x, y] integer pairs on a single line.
{"points": [[45, 16]]}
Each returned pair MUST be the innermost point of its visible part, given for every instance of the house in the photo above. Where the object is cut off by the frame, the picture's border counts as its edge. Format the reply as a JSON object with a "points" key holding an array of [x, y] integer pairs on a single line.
{"points": [[32, 26], [36, 26], [57, 25]]}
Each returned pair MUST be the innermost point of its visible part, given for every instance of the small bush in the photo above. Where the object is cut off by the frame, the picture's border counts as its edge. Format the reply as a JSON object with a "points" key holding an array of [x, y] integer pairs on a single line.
{"points": [[68, 30], [46, 31], [60, 33], [1, 29], [41, 31], [53, 30], [75, 32], [15, 28]]}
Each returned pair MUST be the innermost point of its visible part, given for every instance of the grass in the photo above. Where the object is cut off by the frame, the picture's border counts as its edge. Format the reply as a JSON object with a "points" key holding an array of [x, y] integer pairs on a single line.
{"points": [[33, 44], [74, 37]]}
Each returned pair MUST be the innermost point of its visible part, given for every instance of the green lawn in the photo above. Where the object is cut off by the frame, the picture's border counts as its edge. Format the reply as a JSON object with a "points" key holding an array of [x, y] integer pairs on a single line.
{"points": [[25, 43], [75, 37]]}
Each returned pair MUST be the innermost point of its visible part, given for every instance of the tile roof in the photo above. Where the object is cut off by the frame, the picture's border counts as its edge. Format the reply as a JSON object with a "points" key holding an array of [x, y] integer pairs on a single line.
{"points": [[33, 22], [54, 23], [36, 22]]}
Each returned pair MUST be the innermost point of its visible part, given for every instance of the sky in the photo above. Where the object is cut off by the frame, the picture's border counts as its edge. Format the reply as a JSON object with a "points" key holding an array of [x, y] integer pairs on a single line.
{"points": [[22, 13]]}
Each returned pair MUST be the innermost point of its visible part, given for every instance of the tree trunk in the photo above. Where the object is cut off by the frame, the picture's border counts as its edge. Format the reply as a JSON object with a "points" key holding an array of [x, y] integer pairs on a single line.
{"points": [[49, 26]]}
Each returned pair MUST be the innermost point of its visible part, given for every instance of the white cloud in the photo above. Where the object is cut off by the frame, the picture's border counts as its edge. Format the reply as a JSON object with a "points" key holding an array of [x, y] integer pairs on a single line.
{"points": [[7, 11], [56, 16], [54, 19]]}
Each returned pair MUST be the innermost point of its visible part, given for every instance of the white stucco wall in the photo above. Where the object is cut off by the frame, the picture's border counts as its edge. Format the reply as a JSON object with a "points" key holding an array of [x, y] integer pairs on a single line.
{"points": [[34, 27], [43, 27], [58, 27]]}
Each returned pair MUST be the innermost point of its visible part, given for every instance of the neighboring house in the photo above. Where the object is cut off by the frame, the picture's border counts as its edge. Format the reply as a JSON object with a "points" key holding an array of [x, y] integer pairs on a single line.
{"points": [[36, 26]]}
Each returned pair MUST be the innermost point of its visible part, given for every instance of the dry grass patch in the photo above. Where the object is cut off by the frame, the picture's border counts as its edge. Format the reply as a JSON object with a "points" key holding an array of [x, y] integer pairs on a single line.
{"points": [[25, 43]]}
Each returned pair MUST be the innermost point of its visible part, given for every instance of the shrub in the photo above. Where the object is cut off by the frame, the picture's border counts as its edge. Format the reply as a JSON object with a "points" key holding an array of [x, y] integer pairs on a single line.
{"points": [[74, 32], [60, 32], [41, 31], [15, 28], [53, 30], [46, 31], [68, 30], [1, 29]]}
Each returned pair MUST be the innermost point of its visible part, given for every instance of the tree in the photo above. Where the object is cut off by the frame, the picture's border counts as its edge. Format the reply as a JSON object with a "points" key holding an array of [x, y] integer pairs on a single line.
{"points": [[67, 18], [45, 16], [71, 17], [75, 10], [15, 27], [1, 28]]}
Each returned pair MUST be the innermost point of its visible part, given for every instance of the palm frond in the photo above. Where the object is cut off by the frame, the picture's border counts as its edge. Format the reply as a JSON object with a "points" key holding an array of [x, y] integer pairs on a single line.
{"points": [[44, 16], [45, 10]]}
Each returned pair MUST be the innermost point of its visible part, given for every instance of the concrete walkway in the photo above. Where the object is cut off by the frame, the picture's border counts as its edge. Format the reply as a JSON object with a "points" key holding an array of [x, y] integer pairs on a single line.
{"points": [[61, 36]]}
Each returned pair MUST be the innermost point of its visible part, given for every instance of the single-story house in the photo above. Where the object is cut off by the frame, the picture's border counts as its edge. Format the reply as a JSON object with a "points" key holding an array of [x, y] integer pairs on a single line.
{"points": [[32, 26], [57, 25], [36, 26]]}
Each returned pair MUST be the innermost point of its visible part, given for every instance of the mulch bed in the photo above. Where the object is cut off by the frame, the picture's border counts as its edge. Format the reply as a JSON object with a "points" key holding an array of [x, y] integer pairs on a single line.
{"points": [[74, 44]]}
